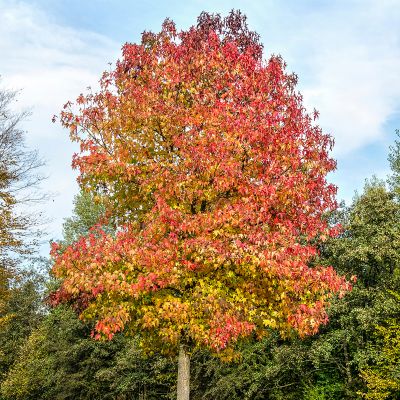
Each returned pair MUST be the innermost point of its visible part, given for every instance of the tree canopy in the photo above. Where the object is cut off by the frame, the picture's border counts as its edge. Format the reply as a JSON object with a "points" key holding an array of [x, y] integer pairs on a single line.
{"points": [[215, 177]]}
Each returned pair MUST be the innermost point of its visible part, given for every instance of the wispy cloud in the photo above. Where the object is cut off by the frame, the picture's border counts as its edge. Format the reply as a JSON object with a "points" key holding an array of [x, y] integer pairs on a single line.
{"points": [[354, 71], [51, 64], [48, 61]]}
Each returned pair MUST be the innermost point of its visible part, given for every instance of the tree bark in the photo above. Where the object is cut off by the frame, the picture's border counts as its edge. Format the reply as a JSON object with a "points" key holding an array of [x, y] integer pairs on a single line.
{"points": [[183, 389]]}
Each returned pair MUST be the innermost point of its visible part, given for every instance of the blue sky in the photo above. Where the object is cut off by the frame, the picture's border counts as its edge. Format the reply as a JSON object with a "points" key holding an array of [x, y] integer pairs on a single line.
{"points": [[346, 54]]}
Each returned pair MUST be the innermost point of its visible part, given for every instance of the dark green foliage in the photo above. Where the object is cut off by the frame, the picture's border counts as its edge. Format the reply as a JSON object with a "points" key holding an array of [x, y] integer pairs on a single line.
{"points": [[266, 370], [61, 361], [383, 375], [369, 247], [23, 309]]}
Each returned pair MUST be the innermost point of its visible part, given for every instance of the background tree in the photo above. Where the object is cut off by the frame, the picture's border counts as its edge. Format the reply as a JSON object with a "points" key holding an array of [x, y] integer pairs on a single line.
{"points": [[383, 378], [60, 361], [382, 375], [216, 178], [19, 180], [87, 213], [22, 311], [370, 244], [394, 160], [19, 188]]}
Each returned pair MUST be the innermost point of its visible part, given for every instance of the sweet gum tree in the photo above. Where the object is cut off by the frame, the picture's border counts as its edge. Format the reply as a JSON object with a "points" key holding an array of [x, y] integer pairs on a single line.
{"points": [[215, 177]]}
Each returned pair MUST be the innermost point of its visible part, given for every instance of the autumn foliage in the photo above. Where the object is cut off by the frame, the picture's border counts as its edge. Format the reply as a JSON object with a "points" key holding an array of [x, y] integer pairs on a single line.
{"points": [[214, 176]]}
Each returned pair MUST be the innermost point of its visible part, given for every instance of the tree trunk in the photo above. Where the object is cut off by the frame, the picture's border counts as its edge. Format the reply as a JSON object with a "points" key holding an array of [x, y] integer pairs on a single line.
{"points": [[183, 374]]}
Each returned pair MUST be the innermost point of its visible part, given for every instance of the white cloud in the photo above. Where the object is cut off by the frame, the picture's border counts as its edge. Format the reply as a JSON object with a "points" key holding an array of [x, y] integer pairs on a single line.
{"points": [[354, 71], [51, 64], [347, 56]]}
